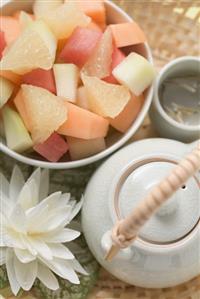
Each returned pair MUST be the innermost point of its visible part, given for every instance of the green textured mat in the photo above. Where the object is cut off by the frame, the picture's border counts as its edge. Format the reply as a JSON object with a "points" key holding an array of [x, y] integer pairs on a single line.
{"points": [[73, 181]]}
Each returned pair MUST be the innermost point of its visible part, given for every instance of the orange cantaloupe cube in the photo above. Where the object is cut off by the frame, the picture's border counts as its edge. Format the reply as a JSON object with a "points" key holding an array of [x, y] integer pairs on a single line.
{"points": [[125, 119], [11, 28], [80, 148], [14, 78], [20, 105], [127, 34], [83, 124]]}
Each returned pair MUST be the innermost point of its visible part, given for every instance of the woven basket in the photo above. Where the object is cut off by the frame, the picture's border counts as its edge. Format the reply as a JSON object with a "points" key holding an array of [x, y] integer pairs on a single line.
{"points": [[173, 30]]}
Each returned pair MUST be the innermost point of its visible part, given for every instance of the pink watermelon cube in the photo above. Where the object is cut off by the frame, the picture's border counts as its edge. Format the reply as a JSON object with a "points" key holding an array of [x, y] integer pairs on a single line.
{"points": [[2, 43], [80, 46], [41, 78], [53, 148], [117, 57]]}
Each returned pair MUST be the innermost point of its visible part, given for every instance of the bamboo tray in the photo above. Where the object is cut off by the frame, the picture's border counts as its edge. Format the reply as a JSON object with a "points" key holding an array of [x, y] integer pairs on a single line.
{"points": [[173, 30]]}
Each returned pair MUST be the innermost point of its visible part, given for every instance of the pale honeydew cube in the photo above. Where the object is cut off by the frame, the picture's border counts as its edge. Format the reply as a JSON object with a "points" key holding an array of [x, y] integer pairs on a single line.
{"points": [[17, 136], [6, 88], [80, 148], [41, 7], [135, 72], [82, 98], [24, 19], [66, 77]]}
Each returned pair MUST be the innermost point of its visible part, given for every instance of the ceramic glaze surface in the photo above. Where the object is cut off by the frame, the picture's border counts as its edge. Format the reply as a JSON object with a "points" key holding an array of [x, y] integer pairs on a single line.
{"points": [[143, 264]]}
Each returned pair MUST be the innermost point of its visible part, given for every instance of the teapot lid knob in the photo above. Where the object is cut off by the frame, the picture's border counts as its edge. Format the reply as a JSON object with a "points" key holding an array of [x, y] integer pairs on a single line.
{"points": [[125, 231]]}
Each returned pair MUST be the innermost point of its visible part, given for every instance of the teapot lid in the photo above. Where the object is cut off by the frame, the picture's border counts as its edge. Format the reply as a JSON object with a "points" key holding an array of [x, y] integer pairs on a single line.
{"points": [[175, 219]]}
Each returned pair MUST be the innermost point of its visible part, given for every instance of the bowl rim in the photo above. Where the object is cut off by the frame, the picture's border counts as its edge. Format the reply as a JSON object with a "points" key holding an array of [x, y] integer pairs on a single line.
{"points": [[111, 149], [158, 83]]}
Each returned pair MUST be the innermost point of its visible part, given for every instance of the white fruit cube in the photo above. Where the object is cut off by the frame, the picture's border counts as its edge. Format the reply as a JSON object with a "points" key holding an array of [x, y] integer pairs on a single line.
{"points": [[66, 77], [135, 72], [17, 136], [82, 98], [6, 88], [80, 148], [41, 7], [25, 19]]}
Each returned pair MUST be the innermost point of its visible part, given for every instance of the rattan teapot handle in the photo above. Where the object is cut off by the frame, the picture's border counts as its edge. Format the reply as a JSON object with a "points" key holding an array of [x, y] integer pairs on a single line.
{"points": [[126, 231]]}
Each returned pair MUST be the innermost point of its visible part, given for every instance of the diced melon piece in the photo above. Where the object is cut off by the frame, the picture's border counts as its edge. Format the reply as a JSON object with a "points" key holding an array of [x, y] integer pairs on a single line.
{"points": [[46, 112], [2, 43], [127, 34], [66, 77], [126, 118], [25, 19], [94, 9], [99, 64], [64, 19], [41, 78], [20, 105], [53, 148], [117, 57], [83, 124], [14, 78], [35, 48], [41, 7], [11, 28], [6, 88], [82, 98], [80, 148], [94, 26], [105, 99], [80, 46], [17, 137], [135, 72]]}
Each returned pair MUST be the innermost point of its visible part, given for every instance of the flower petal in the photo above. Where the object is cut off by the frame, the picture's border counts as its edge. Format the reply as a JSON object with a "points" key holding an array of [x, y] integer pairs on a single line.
{"points": [[13, 239], [25, 273], [15, 287], [18, 219], [41, 247], [16, 184], [66, 235], [25, 197], [77, 267], [63, 269], [2, 256], [61, 251], [47, 277], [24, 256], [4, 185], [76, 209], [44, 184]]}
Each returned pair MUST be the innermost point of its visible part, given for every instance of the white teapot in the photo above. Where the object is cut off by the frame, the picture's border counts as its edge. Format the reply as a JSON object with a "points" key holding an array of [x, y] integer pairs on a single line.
{"points": [[157, 249]]}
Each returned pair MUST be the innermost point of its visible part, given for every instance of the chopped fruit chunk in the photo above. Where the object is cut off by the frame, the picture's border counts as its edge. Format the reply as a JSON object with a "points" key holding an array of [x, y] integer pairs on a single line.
{"points": [[20, 105], [80, 46], [94, 26], [35, 48], [25, 19], [14, 78], [94, 9], [105, 99], [135, 72], [41, 78], [117, 57], [66, 77], [64, 19], [2, 43], [80, 148], [82, 98], [18, 13], [17, 137], [53, 148], [99, 64], [11, 28], [6, 88], [46, 112], [83, 124], [127, 34], [41, 7], [125, 119]]}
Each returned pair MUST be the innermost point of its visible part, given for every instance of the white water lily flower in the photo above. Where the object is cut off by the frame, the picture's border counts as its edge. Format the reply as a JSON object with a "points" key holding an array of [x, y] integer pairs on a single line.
{"points": [[33, 230]]}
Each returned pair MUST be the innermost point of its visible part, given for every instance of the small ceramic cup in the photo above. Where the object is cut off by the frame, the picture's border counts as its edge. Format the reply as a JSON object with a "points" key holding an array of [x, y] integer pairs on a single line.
{"points": [[165, 125]]}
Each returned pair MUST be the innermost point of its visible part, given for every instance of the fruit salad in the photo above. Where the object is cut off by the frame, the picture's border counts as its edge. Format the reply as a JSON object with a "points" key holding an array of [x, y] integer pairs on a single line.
{"points": [[68, 79]]}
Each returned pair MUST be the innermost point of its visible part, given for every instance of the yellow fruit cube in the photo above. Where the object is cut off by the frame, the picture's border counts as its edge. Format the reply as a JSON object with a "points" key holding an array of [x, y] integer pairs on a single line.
{"points": [[6, 88]]}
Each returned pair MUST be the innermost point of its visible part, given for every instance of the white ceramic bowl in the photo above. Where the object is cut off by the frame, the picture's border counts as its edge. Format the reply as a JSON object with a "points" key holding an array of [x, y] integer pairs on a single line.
{"points": [[114, 141]]}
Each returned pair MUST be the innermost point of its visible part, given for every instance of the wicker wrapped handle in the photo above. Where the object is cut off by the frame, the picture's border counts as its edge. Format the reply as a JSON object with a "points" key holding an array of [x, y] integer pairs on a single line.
{"points": [[126, 231]]}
